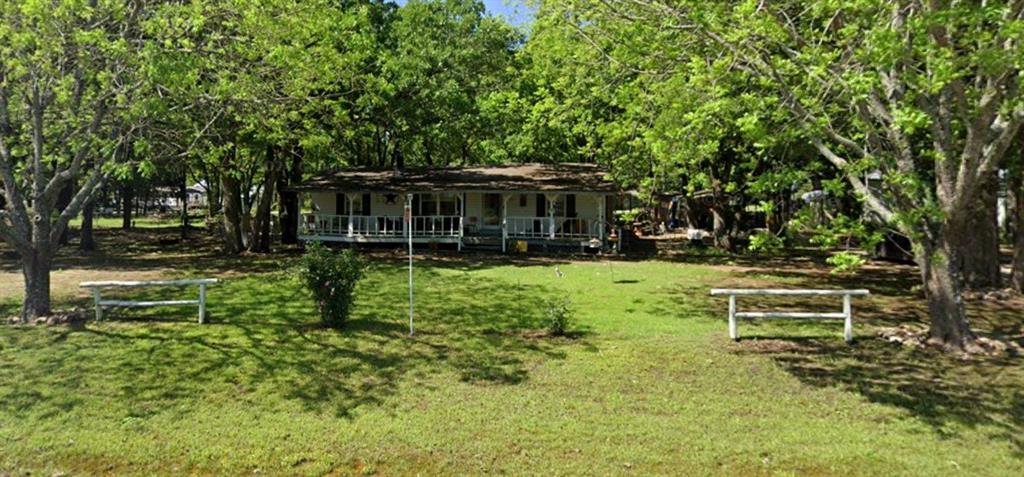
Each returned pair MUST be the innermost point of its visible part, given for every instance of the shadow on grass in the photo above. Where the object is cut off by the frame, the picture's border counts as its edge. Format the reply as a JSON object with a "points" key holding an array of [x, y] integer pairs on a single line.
{"points": [[938, 389], [944, 391], [264, 345]]}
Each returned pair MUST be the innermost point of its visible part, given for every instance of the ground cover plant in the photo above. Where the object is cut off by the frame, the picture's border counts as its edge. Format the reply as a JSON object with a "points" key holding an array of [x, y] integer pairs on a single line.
{"points": [[650, 385]]}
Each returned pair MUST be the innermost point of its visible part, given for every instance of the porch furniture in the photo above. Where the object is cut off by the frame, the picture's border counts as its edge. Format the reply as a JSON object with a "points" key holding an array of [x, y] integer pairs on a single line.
{"points": [[846, 315], [96, 288]]}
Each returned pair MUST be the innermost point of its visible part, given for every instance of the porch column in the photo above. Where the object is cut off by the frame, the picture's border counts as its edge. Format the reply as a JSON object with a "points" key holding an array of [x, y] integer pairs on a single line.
{"points": [[301, 224], [351, 227], [462, 217], [504, 220], [600, 218], [551, 198]]}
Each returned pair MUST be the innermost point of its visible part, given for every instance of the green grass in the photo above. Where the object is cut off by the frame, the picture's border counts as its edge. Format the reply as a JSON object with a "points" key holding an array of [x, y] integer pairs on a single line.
{"points": [[649, 384], [145, 222]]}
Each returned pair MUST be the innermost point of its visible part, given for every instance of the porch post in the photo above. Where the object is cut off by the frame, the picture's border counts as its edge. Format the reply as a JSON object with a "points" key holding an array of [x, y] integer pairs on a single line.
{"points": [[551, 214], [298, 218], [351, 227], [462, 217], [504, 220], [600, 218]]}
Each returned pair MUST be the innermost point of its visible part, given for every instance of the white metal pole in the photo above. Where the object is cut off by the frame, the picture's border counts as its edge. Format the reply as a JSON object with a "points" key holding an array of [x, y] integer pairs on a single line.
{"points": [[202, 303], [847, 319], [408, 219], [96, 297], [732, 318]]}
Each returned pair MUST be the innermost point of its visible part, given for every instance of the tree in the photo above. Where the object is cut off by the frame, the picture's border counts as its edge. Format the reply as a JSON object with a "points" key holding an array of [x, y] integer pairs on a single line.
{"points": [[926, 93], [68, 80]]}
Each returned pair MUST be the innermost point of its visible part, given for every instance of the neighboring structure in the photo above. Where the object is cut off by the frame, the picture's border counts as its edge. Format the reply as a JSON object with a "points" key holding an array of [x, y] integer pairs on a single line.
{"points": [[170, 197], [549, 204]]}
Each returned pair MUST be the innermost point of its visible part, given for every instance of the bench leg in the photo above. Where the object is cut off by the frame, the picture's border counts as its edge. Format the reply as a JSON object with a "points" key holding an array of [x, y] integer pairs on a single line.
{"points": [[732, 318], [96, 299], [202, 303], [848, 320]]}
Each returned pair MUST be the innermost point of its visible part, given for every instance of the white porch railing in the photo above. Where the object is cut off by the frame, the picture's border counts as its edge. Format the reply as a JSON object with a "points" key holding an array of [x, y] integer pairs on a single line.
{"points": [[542, 227], [383, 226], [379, 225]]}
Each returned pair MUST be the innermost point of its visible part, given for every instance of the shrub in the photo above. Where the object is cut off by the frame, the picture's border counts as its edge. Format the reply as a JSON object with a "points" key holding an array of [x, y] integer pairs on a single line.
{"points": [[558, 316], [765, 242], [845, 262], [331, 277]]}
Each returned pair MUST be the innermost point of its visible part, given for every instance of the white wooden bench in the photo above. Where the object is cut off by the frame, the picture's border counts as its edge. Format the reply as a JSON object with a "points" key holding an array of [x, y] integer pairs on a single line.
{"points": [[846, 315], [96, 287]]}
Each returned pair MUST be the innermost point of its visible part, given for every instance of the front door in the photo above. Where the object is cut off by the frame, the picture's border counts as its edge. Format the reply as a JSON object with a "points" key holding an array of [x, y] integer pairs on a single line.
{"points": [[492, 212]]}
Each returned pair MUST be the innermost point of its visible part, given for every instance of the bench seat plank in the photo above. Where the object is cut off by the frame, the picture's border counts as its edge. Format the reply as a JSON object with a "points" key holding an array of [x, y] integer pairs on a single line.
{"points": [[786, 292], [147, 303], [789, 314], [148, 283]]}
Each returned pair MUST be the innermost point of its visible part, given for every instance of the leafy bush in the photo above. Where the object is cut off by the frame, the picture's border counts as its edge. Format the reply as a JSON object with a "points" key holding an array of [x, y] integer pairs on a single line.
{"points": [[558, 316], [765, 242], [331, 277], [844, 262]]}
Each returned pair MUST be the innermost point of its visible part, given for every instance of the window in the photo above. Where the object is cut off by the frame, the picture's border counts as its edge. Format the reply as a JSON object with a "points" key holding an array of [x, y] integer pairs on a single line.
{"points": [[522, 200], [428, 204], [435, 204], [446, 205], [360, 204], [559, 206]]}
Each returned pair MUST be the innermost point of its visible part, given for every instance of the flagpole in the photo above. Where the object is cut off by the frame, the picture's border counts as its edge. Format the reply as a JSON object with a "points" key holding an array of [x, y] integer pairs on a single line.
{"points": [[408, 228]]}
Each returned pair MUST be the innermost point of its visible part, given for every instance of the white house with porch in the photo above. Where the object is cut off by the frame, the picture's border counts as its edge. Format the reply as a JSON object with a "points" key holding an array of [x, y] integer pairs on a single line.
{"points": [[508, 206]]}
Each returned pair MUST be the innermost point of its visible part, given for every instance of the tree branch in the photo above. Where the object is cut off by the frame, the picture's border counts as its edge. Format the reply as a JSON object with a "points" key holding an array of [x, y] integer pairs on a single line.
{"points": [[870, 198]]}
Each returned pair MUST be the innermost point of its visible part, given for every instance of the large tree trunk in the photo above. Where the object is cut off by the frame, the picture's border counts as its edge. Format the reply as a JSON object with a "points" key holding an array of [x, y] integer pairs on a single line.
{"points": [[86, 241], [127, 197], [1017, 275], [979, 249], [288, 202], [725, 227], [36, 269], [260, 241], [943, 285], [232, 209]]}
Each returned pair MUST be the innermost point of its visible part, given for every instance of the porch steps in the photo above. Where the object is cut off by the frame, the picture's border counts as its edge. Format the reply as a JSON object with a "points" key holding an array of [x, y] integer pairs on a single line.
{"points": [[482, 243]]}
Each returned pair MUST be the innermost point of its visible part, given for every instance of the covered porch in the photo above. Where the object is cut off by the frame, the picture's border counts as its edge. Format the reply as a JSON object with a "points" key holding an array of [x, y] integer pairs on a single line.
{"points": [[492, 206], [458, 218]]}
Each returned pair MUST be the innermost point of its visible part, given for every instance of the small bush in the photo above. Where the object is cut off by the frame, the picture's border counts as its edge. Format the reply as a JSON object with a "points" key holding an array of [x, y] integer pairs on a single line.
{"points": [[845, 262], [558, 316], [765, 242], [331, 277]]}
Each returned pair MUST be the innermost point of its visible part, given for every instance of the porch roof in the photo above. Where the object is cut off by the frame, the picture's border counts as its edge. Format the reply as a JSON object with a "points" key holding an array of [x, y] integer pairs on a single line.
{"points": [[563, 177]]}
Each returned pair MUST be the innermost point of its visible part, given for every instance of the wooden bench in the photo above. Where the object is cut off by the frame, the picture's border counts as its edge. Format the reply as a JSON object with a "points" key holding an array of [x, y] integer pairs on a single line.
{"points": [[96, 287], [846, 315]]}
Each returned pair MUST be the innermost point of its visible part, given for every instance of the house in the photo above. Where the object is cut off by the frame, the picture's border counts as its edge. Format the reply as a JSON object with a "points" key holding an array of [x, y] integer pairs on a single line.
{"points": [[516, 205]]}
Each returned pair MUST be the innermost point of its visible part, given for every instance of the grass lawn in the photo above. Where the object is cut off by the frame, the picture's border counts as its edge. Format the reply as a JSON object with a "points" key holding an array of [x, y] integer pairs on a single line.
{"points": [[145, 221], [650, 384]]}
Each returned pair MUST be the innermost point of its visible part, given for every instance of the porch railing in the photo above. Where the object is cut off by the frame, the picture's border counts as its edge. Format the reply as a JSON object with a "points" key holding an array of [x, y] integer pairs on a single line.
{"points": [[563, 227], [379, 225]]}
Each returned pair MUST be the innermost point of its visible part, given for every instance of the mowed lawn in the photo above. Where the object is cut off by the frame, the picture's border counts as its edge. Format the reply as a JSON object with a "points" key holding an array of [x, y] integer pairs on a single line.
{"points": [[648, 384]]}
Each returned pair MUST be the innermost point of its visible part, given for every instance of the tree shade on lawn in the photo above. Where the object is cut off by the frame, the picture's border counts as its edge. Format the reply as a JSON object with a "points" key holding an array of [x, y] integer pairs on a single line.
{"points": [[649, 383]]}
